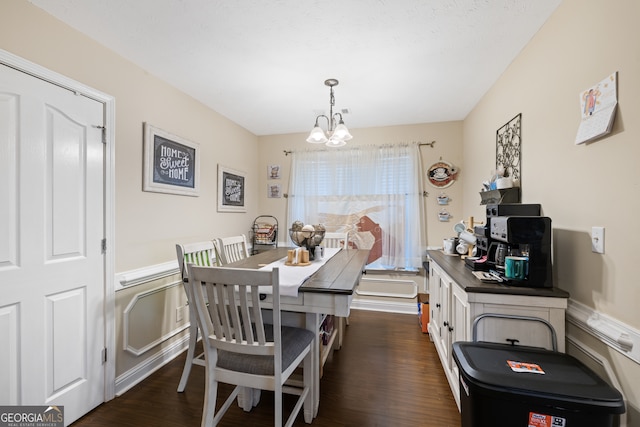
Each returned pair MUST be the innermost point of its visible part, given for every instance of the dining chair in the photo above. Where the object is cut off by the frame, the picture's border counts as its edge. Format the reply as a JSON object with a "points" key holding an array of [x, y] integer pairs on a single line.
{"points": [[203, 254], [336, 240], [242, 350], [232, 248]]}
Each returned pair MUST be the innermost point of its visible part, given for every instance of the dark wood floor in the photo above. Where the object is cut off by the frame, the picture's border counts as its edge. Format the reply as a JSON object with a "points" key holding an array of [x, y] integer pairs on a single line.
{"points": [[386, 374]]}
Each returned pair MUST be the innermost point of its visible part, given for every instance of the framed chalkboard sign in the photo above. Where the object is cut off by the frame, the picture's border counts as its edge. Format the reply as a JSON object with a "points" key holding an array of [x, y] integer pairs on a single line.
{"points": [[171, 163], [231, 190]]}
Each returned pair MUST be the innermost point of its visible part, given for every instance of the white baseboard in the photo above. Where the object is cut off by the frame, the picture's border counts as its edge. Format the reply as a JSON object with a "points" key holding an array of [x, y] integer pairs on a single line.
{"points": [[386, 306]]}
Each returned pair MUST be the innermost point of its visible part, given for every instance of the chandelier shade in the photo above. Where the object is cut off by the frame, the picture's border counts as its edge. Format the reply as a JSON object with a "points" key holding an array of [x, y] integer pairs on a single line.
{"points": [[337, 133], [317, 136]]}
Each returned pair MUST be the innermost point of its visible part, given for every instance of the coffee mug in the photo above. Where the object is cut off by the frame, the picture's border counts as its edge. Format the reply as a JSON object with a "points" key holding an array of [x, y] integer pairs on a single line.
{"points": [[449, 246], [462, 248], [515, 267]]}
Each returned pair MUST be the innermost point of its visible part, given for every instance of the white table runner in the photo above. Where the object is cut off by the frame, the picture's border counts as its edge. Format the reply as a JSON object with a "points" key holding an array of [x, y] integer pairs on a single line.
{"points": [[291, 277]]}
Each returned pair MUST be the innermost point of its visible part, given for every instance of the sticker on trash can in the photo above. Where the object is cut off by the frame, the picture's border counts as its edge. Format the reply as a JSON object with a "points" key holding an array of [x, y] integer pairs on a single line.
{"points": [[540, 420], [532, 368]]}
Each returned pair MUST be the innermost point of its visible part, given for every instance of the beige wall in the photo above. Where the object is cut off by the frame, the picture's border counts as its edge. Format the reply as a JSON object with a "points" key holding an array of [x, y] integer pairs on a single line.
{"points": [[147, 224], [579, 186], [448, 146]]}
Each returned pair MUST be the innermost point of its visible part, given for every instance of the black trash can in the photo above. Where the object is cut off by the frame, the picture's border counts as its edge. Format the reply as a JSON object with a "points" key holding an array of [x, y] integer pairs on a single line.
{"points": [[514, 386]]}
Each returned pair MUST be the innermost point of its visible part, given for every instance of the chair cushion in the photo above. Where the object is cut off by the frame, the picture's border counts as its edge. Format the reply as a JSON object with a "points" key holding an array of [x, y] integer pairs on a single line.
{"points": [[294, 340]]}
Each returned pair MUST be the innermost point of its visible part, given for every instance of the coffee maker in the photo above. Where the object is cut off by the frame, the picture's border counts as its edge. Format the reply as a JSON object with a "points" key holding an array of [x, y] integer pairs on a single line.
{"points": [[484, 241], [528, 236]]}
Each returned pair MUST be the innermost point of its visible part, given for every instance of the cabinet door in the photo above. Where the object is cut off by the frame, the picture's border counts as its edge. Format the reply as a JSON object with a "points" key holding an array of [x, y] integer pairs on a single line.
{"points": [[460, 322], [435, 302], [460, 315], [445, 321]]}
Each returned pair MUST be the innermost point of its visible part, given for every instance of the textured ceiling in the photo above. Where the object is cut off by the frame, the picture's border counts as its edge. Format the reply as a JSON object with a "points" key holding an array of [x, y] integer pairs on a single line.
{"points": [[263, 63]]}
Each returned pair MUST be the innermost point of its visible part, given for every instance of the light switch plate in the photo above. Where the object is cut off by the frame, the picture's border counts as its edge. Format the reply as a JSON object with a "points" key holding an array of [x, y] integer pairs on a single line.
{"points": [[597, 240]]}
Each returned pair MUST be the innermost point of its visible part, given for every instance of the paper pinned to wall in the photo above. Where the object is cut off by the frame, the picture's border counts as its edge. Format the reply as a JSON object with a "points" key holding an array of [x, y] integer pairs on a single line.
{"points": [[598, 109]]}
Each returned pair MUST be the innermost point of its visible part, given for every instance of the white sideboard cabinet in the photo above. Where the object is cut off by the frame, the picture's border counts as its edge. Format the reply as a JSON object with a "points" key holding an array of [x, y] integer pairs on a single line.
{"points": [[457, 298]]}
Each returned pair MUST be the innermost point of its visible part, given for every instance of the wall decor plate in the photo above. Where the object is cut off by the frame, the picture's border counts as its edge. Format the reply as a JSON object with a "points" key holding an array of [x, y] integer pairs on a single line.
{"points": [[442, 174]]}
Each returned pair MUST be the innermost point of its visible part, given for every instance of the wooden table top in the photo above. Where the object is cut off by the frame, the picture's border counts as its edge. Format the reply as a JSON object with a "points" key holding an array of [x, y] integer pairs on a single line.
{"points": [[339, 275]]}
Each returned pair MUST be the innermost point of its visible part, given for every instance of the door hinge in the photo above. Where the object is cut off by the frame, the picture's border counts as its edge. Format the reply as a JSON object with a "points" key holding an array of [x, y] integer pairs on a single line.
{"points": [[104, 355], [104, 133], [103, 245]]}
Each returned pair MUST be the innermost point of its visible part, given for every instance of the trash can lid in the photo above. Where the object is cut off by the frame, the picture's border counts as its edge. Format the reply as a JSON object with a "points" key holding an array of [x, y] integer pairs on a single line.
{"points": [[535, 372]]}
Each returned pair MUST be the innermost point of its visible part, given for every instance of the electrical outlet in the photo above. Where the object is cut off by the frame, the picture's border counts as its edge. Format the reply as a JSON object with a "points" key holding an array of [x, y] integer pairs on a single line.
{"points": [[179, 314], [597, 240]]}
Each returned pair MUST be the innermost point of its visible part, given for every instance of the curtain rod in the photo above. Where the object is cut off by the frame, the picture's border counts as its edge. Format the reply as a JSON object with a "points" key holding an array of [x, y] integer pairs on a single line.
{"points": [[420, 144]]}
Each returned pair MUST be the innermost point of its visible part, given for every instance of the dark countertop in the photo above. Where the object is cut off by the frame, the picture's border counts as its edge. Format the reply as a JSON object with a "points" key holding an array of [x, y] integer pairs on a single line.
{"points": [[455, 267]]}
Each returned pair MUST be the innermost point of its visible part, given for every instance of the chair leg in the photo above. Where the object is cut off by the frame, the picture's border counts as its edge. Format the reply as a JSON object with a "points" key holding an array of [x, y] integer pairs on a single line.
{"points": [[210, 396], [277, 413], [191, 354]]}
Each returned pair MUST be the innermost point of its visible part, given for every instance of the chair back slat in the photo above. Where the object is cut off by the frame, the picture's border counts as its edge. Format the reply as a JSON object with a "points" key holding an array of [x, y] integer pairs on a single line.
{"points": [[245, 313], [336, 240], [257, 316], [199, 253], [233, 320], [233, 248]]}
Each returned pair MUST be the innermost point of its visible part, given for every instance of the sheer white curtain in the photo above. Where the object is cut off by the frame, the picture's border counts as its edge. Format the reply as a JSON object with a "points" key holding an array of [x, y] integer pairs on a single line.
{"points": [[373, 192]]}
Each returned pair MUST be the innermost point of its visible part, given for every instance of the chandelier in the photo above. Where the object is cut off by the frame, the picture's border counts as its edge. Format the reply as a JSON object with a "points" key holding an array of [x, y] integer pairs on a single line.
{"points": [[337, 133]]}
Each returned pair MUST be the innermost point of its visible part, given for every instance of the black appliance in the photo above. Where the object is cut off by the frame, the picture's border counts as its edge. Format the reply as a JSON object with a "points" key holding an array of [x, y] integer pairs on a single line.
{"points": [[513, 209], [532, 233], [502, 209]]}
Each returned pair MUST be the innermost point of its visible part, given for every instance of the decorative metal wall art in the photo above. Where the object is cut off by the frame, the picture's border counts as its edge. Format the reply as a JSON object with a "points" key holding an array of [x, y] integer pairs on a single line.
{"points": [[508, 148]]}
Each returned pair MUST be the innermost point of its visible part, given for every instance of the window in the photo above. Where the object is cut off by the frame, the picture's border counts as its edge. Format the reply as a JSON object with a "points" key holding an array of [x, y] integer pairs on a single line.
{"points": [[373, 192]]}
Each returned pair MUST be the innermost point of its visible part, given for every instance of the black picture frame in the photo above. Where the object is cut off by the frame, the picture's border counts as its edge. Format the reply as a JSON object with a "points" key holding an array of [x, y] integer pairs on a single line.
{"points": [[171, 163], [231, 190]]}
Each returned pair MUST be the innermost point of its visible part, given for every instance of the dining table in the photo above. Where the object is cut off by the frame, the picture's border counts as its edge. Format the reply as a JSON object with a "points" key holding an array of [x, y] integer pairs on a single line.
{"points": [[328, 290]]}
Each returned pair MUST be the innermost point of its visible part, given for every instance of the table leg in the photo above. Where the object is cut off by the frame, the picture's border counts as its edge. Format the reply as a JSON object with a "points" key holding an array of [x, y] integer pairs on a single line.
{"points": [[249, 398], [312, 323]]}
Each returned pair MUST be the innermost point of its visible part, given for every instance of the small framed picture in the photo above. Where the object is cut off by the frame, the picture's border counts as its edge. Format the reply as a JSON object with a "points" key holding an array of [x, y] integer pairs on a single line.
{"points": [[171, 163], [273, 171], [274, 191], [231, 190]]}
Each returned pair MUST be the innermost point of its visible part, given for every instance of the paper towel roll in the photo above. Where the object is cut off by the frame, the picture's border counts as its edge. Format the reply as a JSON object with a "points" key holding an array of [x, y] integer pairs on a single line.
{"points": [[502, 183]]}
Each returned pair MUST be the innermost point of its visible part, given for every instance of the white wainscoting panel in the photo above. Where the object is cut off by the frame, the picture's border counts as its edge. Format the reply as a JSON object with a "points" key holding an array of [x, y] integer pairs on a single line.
{"points": [[144, 316], [599, 364]]}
